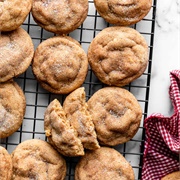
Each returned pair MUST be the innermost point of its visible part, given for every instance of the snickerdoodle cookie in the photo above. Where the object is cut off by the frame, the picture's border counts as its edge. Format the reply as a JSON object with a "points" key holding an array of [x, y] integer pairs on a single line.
{"points": [[172, 176], [5, 164], [60, 133], [60, 17], [103, 164], [118, 55], [37, 159], [123, 12], [12, 108], [60, 64], [116, 115], [13, 13], [16, 53], [75, 107]]}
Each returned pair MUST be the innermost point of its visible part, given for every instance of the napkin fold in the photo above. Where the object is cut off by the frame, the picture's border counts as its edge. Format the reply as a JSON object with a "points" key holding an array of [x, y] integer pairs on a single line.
{"points": [[162, 142]]}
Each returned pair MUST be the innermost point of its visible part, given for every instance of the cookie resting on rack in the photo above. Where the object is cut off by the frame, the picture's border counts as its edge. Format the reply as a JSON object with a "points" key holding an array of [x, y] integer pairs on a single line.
{"points": [[60, 64], [103, 164], [118, 55], [61, 135], [124, 12], [60, 17], [16, 53], [12, 108], [13, 13], [5, 164], [116, 115], [37, 159], [77, 114]]}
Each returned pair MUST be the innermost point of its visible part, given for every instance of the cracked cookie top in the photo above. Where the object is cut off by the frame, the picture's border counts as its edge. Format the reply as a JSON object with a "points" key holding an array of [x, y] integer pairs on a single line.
{"points": [[36, 159], [12, 108], [116, 115], [13, 13], [60, 64], [123, 12], [16, 53], [103, 164], [60, 17], [5, 164], [118, 55]]}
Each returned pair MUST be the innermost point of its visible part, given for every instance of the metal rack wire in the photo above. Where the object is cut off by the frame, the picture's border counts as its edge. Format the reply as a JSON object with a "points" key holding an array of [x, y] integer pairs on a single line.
{"points": [[37, 99]]}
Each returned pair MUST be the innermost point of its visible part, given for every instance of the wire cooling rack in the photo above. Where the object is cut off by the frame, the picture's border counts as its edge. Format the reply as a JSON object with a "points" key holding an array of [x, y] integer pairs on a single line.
{"points": [[37, 99]]}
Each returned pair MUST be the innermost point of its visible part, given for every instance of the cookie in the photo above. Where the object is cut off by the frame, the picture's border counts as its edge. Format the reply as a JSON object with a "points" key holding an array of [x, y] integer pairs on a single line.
{"points": [[5, 164], [60, 17], [103, 164], [77, 114], [60, 134], [36, 159], [118, 55], [116, 115], [60, 64], [123, 13], [16, 53], [172, 176], [12, 108], [13, 13]]}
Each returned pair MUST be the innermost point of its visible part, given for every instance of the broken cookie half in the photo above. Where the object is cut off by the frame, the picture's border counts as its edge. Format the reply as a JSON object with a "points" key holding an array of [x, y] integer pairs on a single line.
{"points": [[59, 131], [77, 113], [70, 128]]}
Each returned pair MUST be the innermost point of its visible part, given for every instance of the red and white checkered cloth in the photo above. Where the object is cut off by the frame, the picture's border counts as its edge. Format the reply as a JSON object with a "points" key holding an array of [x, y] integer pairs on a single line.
{"points": [[162, 144]]}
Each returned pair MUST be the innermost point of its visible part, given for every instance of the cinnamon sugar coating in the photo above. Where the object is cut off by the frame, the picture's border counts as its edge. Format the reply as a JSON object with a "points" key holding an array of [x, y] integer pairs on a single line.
{"points": [[60, 64], [13, 13], [124, 12], [118, 55], [172, 176], [116, 115], [61, 17], [37, 159], [5, 164], [16, 53], [12, 108], [103, 164]]}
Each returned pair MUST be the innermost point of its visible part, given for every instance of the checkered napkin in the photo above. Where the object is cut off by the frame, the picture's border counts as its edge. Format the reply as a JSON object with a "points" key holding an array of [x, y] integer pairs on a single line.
{"points": [[162, 144]]}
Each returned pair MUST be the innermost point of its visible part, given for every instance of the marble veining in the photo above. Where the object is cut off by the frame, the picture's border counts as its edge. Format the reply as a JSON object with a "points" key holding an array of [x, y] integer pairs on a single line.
{"points": [[167, 15], [166, 55]]}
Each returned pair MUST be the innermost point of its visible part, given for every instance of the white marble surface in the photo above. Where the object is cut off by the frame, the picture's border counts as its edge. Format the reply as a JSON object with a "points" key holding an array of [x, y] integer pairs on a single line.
{"points": [[166, 55]]}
